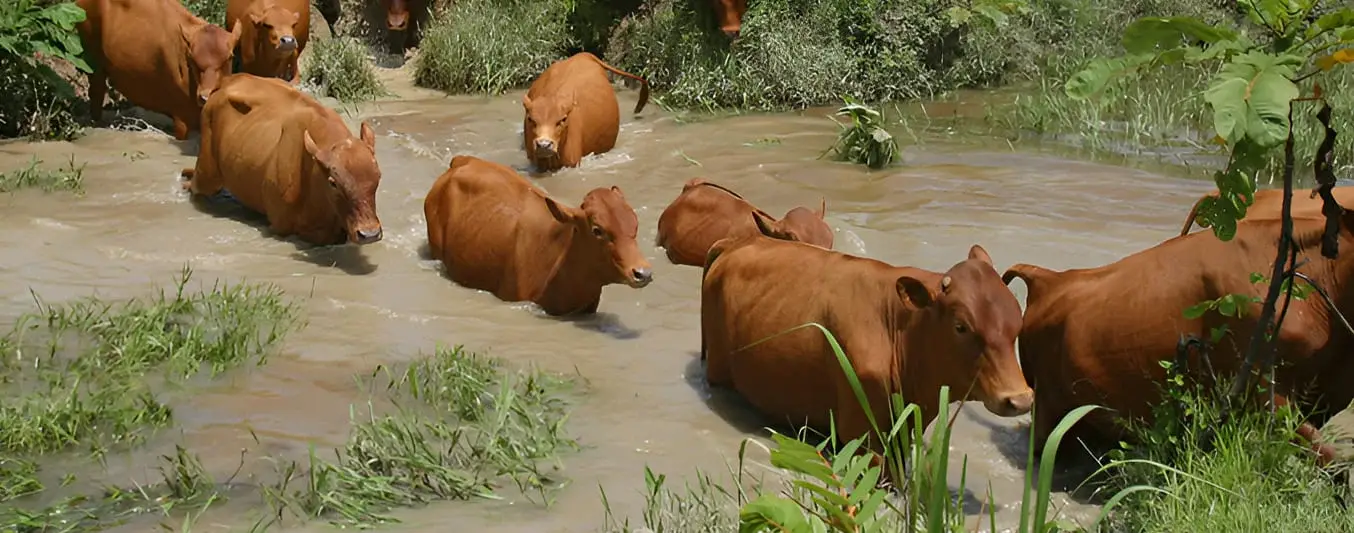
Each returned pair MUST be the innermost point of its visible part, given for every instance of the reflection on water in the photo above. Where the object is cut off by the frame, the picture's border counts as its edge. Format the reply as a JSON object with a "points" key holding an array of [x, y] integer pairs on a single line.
{"points": [[647, 402]]}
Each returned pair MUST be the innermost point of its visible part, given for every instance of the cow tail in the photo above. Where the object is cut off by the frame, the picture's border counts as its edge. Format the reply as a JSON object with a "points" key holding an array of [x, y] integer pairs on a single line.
{"points": [[1193, 212], [1027, 273], [643, 83]]}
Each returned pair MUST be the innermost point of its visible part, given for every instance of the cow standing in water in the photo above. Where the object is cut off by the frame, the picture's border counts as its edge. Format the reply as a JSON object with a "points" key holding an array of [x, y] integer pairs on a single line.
{"points": [[157, 54], [706, 212], [495, 231], [905, 330], [571, 111], [1099, 335], [285, 155], [1268, 204]]}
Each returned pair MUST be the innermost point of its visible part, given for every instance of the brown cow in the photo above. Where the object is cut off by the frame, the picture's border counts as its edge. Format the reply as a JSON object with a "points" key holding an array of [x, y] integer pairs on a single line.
{"points": [[281, 153], [157, 54], [1098, 335], [706, 212], [1268, 204], [571, 111], [403, 21], [275, 34], [495, 231], [905, 330], [729, 16]]}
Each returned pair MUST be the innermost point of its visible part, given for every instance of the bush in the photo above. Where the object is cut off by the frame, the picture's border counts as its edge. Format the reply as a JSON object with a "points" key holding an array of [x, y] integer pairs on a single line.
{"points": [[212, 11], [40, 103], [490, 46], [339, 67]]}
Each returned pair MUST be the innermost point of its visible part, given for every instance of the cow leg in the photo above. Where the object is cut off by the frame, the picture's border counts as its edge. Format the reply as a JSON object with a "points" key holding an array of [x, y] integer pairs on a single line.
{"points": [[98, 89], [180, 128]]}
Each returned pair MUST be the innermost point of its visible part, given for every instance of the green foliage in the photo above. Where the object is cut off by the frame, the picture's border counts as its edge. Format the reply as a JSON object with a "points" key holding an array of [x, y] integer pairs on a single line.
{"points": [[339, 67], [212, 11], [799, 53], [67, 178], [865, 141], [491, 46], [462, 424], [1250, 95], [34, 37]]}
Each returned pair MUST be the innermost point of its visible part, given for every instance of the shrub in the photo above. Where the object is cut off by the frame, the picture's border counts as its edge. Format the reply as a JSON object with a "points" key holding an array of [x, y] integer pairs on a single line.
{"points": [[339, 67], [490, 46], [212, 11], [39, 103]]}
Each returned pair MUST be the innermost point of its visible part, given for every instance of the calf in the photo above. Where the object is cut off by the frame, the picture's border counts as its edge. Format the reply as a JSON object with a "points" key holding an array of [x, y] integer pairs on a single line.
{"points": [[705, 212], [275, 34]]}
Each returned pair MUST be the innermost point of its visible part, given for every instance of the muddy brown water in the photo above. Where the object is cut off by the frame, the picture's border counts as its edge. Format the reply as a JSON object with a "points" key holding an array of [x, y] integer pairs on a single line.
{"points": [[646, 402]]}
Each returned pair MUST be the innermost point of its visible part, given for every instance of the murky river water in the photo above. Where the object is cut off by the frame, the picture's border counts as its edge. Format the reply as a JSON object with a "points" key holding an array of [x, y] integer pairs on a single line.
{"points": [[647, 402]]}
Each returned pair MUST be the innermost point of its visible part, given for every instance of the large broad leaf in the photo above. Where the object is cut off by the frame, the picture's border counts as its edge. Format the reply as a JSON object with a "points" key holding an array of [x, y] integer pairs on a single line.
{"points": [[1100, 72], [1274, 14], [1251, 97], [772, 513], [1333, 21], [1157, 34]]}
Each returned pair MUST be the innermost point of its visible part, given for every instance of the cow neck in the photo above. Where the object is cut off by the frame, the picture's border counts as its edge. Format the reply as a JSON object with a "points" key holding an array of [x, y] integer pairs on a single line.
{"points": [[574, 281], [911, 366]]}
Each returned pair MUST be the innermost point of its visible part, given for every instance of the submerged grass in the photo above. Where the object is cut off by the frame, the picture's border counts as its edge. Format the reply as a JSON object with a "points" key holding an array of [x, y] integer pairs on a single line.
{"points": [[339, 67], [462, 425], [67, 178]]}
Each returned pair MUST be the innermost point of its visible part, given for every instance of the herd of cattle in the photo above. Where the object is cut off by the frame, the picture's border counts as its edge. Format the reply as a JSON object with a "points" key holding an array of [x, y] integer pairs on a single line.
{"points": [[1087, 336]]}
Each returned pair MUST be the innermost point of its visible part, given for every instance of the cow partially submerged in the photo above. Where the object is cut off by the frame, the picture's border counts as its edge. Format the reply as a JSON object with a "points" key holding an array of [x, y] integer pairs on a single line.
{"points": [[281, 153], [1099, 335], [706, 212], [495, 231], [157, 54], [571, 112], [905, 330], [275, 34], [1268, 204]]}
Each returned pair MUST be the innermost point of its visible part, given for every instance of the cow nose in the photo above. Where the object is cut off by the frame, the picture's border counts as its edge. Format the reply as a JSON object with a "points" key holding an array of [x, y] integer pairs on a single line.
{"points": [[732, 34], [202, 99], [1017, 404], [289, 42], [545, 144], [641, 276], [368, 236]]}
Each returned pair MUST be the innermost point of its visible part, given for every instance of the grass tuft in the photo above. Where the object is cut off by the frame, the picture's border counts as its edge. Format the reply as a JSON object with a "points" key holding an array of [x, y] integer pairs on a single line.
{"points": [[461, 424], [338, 67], [76, 373], [865, 141], [491, 46], [67, 178]]}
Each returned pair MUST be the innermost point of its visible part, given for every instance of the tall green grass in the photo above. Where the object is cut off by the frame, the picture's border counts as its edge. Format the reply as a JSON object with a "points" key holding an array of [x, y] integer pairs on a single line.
{"points": [[338, 67], [490, 46]]}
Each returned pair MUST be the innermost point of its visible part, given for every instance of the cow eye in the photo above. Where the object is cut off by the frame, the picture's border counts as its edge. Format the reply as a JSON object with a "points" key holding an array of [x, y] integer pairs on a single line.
{"points": [[960, 328], [597, 231], [563, 120], [332, 183]]}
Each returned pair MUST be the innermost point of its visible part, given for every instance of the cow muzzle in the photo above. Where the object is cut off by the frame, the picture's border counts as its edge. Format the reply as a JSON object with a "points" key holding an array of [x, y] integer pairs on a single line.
{"points": [[397, 22], [1011, 404], [367, 236], [639, 278], [732, 34], [286, 43], [546, 147]]}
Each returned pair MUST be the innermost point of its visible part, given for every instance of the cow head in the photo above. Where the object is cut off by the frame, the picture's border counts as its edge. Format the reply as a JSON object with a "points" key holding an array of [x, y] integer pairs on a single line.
{"points": [[397, 15], [729, 16], [353, 177], [969, 325], [799, 224], [278, 24], [210, 50], [548, 120], [608, 225]]}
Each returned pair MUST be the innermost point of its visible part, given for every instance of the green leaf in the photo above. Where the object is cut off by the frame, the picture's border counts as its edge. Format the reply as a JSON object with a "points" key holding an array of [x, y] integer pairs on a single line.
{"points": [[1156, 34], [1100, 72], [1335, 20], [772, 513], [998, 18], [1227, 306], [1197, 310], [1250, 98]]}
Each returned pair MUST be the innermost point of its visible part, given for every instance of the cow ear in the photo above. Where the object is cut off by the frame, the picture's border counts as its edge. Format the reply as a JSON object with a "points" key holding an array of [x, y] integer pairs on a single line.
{"points": [[187, 33], [255, 16], [562, 213], [913, 290], [235, 32], [368, 136], [766, 227], [526, 102], [618, 192], [977, 252], [314, 150]]}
